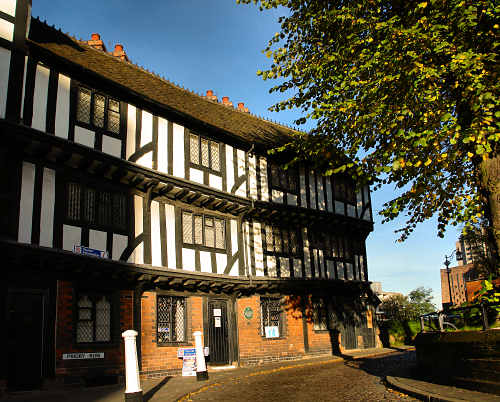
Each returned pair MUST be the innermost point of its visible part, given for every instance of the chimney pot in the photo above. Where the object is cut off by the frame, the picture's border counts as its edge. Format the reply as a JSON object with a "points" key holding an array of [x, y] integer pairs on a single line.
{"points": [[241, 105], [210, 93], [95, 36], [119, 47], [225, 100]]}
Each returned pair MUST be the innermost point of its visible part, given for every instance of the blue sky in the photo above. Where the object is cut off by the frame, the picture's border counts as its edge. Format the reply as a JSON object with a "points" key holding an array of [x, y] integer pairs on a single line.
{"points": [[217, 45]]}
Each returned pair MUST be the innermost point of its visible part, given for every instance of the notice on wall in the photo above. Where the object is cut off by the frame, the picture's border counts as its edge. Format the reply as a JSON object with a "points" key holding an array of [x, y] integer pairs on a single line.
{"points": [[217, 322], [82, 356], [217, 312], [90, 251], [272, 332]]}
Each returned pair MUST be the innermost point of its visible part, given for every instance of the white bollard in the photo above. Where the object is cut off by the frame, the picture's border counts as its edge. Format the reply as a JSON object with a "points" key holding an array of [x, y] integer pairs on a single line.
{"points": [[201, 368], [133, 391]]}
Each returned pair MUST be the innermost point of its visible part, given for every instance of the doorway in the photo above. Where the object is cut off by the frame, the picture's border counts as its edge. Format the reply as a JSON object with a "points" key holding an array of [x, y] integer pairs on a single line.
{"points": [[218, 331], [25, 319]]}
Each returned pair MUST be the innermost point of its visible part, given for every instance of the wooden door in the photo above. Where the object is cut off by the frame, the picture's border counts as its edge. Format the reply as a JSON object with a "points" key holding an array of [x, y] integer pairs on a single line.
{"points": [[218, 333]]}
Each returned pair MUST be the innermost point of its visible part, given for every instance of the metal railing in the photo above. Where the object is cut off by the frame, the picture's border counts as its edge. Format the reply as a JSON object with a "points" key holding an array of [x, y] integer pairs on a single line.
{"points": [[445, 320]]}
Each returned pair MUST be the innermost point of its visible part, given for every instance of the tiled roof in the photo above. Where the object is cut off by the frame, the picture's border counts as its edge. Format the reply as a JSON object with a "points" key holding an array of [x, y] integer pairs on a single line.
{"points": [[244, 126]]}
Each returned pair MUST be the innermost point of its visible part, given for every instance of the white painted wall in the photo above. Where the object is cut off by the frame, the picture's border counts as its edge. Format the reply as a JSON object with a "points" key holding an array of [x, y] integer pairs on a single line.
{"points": [[330, 269], [4, 78], [146, 137], [120, 243], [6, 30], [229, 168], [340, 270], [205, 261], [8, 7], [188, 259], [26, 203], [242, 190], [62, 106], [297, 268], [284, 267], [195, 175], [329, 194], [97, 239], [252, 173], [264, 187], [72, 235], [271, 266], [291, 199], [47, 207], [321, 195], [259, 255], [170, 230], [138, 254], [155, 234], [221, 260], [302, 184], [215, 181], [112, 146], [178, 146], [307, 255], [131, 125], [84, 137], [312, 190], [162, 145], [40, 98]]}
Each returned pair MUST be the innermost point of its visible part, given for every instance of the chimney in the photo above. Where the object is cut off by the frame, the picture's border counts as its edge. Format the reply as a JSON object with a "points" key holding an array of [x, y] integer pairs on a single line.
{"points": [[120, 53], [242, 108], [225, 101], [210, 95], [96, 42]]}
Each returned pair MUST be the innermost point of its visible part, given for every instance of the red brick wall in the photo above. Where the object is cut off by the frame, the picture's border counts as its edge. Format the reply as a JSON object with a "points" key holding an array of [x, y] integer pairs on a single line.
{"points": [[113, 362], [159, 361]]}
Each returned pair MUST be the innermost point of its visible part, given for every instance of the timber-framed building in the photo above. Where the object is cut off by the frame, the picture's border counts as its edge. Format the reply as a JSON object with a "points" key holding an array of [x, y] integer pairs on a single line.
{"points": [[192, 225]]}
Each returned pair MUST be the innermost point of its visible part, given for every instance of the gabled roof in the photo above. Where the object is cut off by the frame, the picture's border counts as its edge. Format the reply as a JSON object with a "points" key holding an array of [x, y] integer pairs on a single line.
{"points": [[244, 126]]}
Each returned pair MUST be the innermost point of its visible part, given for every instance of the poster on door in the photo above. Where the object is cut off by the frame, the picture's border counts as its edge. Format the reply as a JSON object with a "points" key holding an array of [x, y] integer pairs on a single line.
{"points": [[217, 322]]}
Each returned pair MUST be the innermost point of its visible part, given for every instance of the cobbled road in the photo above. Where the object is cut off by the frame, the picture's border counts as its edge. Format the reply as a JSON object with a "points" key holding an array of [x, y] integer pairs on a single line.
{"points": [[352, 380]]}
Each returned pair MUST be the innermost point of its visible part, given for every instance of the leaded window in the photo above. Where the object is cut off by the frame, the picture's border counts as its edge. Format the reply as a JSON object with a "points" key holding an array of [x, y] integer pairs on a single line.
{"points": [[285, 180], [320, 315], [271, 314], [87, 205], [98, 111], [93, 318], [170, 319], [203, 230], [204, 152], [281, 240]]}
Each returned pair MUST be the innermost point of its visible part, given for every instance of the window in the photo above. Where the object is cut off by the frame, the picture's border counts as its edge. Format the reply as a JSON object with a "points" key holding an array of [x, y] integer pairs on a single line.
{"points": [[281, 240], [320, 315], [285, 180], [271, 315], [92, 207], [98, 111], [345, 191], [203, 230], [170, 319], [204, 153], [93, 318]]}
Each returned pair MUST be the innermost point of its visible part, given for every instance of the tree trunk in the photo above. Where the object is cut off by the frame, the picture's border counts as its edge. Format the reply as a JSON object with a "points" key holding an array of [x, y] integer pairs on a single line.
{"points": [[490, 186]]}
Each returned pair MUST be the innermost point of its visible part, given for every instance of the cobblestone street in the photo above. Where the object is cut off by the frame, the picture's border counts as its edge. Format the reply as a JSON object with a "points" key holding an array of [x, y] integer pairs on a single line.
{"points": [[351, 380]]}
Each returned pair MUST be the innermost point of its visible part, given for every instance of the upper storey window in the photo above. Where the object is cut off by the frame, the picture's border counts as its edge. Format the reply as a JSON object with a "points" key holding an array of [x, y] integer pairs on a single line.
{"points": [[204, 153], [284, 180], [203, 230], [281, 241], [98, 111], [345, 193]]}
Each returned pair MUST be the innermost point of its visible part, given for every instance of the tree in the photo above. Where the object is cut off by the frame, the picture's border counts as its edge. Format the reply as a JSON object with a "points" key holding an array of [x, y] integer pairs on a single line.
{"points": [[408, 90], [406, 308], [420, 300]]}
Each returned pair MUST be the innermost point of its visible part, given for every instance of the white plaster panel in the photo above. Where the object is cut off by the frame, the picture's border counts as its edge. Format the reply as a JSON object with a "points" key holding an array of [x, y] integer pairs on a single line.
{"points": [[340, 270], [139, 228], [196, 175], [97, 239], [264, 189], [362, 267], [205, 261], [277, 196], [146, 160], [321, 195], [131, 125], [321, 264], [291, 199], [146, 128], [297, 268], [47, 208], [155, 234], [329, 195], [248, 259], [240, 154], [302, 185], [234, 236], [215, 181], [188, 259], [359, 203], [120, 243], [24, 84], [62, 106], [271, 266], [6, 30], [259, 255], [235, 269], [252, 173], [241, 190], [162, 145], [307, 255], [351, 210], [4, 78], [26, 203], [40, 98], [330, 269], [284, 267], [339, 208], [112, 146], [349, 271], [8, 7], [84, 137], [221, 260], [315, 262], [178, 146], [72, 236], [312, 190], [229, 168], [170, 230]]}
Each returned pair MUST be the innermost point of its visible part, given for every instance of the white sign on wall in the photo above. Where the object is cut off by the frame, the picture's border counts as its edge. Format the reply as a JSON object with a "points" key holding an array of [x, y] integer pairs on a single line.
{"points": [[217, 312], [82, 356], [272, 332]]}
